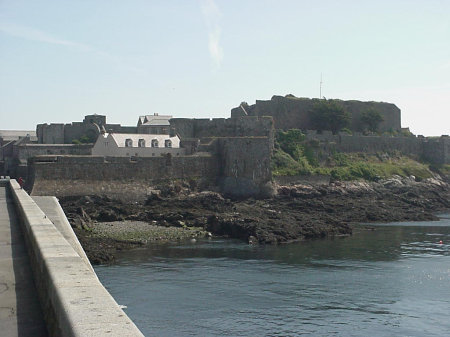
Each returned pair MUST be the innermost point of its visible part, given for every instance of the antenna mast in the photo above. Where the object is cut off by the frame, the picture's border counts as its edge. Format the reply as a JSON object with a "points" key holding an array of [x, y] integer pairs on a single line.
{"points": [[320, 90]]}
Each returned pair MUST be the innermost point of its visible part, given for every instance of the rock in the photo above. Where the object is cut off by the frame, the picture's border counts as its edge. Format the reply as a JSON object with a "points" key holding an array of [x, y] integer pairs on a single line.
{"points": [[297, 212]]}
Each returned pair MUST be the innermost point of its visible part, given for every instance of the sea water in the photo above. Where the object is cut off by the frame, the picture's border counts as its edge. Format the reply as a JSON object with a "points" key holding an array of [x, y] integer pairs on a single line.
{"points": [[385, 280]]}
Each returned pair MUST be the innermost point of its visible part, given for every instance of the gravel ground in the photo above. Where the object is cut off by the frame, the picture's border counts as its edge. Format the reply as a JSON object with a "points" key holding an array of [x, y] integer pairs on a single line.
{"points": [[143, 232]]}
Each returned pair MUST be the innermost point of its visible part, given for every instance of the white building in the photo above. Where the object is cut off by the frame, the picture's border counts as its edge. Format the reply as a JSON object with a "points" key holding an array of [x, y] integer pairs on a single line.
{"points": [[136, 145]]}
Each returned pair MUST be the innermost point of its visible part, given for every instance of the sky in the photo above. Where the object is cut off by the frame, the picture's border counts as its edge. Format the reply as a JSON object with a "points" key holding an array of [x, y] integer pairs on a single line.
{"points": [[61, 60]]}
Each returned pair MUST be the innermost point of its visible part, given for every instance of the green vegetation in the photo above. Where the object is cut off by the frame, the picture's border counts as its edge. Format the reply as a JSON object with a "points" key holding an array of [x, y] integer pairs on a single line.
{"points": [[406, 133], [347, 131], [402, 132], [293, 155], [290, 154], [291, 142], [371, 119], [85, 139], [329, 115], [353, 166]]}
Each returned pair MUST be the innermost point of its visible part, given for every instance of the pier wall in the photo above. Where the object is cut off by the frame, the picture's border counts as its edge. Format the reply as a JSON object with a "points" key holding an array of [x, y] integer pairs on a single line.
{"points": [[73, 300]]}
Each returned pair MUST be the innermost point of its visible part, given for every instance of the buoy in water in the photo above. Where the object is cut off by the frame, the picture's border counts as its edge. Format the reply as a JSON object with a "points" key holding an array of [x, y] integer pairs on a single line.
{"points": [[440, 242]]}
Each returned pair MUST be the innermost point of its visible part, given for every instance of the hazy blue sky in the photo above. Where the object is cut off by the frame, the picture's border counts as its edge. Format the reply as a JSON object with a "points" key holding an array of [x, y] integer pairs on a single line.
{"points": [[60, 60]]}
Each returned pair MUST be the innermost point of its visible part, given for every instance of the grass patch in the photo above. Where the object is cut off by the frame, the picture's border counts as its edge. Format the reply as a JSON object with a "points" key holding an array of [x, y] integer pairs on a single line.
{"points": [[356, 166], [284, 165]]}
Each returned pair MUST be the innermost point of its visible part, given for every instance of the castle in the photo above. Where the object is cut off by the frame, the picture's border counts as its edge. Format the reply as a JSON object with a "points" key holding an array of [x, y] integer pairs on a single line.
{"points": [[233, 154]]}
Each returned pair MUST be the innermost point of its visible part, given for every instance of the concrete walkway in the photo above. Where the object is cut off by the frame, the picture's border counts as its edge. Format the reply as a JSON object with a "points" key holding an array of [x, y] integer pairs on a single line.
{"points": [[20, 311]]}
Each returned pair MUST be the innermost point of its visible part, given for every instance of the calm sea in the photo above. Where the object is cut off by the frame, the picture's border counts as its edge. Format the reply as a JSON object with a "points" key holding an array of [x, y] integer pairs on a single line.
{"points": [[393, 280]]}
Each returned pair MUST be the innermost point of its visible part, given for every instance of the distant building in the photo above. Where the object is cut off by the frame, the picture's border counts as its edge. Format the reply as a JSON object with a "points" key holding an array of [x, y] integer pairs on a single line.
{"points": [[154, 124], [136, 145], [7, 136]]}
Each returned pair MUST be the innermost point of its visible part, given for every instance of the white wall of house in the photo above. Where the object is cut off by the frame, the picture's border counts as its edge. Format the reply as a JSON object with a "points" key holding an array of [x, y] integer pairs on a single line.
{"points": [[114, 145]]}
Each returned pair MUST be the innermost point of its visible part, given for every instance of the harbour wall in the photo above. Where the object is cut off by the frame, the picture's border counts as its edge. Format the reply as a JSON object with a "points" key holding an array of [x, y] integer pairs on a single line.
{"points": [[72, 298]]}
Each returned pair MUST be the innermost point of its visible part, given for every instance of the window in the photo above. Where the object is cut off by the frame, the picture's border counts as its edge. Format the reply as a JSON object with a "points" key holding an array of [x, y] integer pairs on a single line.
{"points": [[155, 143], [141, 142], [168, 143], [128, 142]]}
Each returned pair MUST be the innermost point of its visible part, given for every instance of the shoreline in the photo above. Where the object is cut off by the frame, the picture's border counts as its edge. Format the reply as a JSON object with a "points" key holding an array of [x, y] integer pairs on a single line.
{"points": [[296, 213]]}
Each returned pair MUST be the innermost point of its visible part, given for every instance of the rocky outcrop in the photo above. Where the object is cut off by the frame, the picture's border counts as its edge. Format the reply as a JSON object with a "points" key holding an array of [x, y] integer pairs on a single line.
{"points": [[296, 212]]}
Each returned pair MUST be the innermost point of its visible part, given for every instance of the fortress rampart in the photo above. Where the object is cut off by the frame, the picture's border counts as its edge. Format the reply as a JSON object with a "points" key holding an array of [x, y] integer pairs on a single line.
{"points": [[232, 154], [59, 133], [116, 177], [433, 150], [238, 166], [23, 152], [223, 127], [295, 113], [244, 166]]}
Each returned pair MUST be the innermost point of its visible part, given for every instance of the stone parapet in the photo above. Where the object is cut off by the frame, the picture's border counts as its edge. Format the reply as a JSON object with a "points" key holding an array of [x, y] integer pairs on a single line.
{"points": [[74, 301]]}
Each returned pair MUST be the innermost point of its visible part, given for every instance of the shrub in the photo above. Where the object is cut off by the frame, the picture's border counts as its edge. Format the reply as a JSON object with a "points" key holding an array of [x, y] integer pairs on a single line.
{"points": [[371, 119], [347, 131], [329, 115]]}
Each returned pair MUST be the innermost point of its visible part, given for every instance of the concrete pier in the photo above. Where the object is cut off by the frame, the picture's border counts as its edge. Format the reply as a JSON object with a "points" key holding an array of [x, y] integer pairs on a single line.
{"points": [[20, 311], [47, 285]]}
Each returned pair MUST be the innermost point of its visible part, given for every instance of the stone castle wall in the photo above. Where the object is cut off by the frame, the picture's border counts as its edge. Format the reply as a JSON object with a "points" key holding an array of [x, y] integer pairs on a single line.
{"points": [[50, 133], [239, 166], [434, 150], [295, 113], [23, 152], [369, 144], [56, 133], [115, 177], [244, 166], [223, 127], [437, 150]]}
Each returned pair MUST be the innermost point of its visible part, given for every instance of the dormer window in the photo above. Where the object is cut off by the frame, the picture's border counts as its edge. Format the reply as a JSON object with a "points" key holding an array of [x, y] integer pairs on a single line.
{"points": [[128, 142], [141, 142], [168, 143], [155, 143]]}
